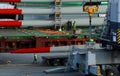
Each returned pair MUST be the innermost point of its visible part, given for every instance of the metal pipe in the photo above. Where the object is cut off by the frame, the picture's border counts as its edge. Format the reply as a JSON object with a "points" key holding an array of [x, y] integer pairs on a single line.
{"points": [[44, 0], [45, 49], [64, 10], [45, 23], [90, 24]]}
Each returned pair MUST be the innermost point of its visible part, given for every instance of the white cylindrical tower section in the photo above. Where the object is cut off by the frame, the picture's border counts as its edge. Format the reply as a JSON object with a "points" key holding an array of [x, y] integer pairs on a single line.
{"points": [[45, 23], [54, 0], [64, 10]]}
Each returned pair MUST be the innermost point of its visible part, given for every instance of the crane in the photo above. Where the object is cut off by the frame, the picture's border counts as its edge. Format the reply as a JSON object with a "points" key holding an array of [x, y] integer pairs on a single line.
{"points": [[90, 8]]}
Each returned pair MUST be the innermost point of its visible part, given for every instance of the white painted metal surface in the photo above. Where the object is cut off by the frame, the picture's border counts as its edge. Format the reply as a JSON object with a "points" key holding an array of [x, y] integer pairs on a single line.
{"points": [[37, 11], [79, 22], [85, 21], [103, 56], [90, 57], [118, 10], [64, 10], [68, 48], [37, 23], [60, 49], [114, 10], [54, 0], [102, 9]]}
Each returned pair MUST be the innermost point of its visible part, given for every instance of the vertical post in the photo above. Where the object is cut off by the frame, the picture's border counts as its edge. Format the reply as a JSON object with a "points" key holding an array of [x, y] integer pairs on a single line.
{"points": [[60, 14], [90, 23], [90, 27], [90, 8]]}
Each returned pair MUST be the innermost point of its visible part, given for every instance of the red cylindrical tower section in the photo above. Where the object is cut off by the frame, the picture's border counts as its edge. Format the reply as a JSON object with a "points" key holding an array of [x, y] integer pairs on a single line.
{"points": [[10, 11], [32, 50], [14, 23], [42, 50], [10, 0]]}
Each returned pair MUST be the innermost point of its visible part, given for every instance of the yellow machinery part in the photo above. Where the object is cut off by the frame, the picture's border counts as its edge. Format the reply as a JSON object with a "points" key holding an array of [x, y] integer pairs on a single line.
{"points": [[90, 9], [58, 1], [118, 36]]}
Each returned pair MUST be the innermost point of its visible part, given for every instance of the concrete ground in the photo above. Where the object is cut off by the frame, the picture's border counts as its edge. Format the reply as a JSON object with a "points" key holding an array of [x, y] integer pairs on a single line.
{"points": [[29, 70], [22, 65], [24, 58]]}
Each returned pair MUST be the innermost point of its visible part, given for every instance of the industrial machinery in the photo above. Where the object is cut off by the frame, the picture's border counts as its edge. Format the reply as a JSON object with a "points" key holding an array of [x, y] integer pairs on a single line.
{"points": [[110, 37], [90, 58], [20, 24], [96, 60]]}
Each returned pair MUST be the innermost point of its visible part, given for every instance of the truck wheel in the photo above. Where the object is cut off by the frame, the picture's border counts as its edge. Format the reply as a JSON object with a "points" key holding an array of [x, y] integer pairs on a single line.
{"points": [[103, 73], [64, 62], [110, 72], [47, 62], [89, 75], [118, 68], [50, 62], [56, 62]]}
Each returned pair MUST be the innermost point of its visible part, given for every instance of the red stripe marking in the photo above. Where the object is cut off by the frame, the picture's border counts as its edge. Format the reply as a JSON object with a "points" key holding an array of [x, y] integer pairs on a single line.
{"points": [[10, 0], [15, 23], [10, 11], [32, 50]]}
